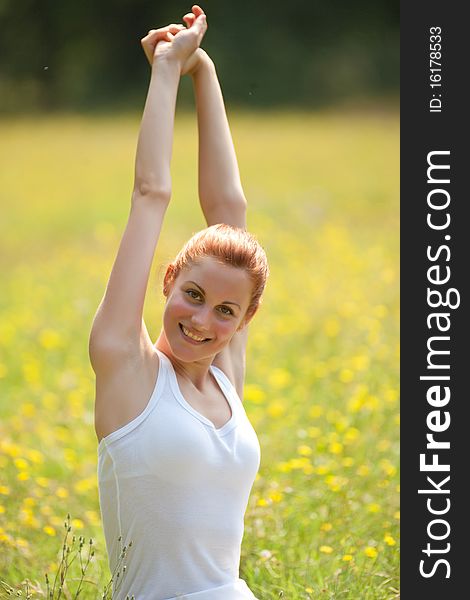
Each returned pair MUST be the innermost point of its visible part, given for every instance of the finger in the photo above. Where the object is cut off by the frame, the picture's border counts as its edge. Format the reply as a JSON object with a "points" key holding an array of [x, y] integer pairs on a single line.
{"points": [[189, 19], [201, 24], [197, 10], [176, 29], [157, 33], [154, 36]]}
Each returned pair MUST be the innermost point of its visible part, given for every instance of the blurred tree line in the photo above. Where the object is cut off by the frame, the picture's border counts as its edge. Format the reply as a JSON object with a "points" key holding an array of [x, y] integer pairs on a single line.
{"points": [[86, 54]]}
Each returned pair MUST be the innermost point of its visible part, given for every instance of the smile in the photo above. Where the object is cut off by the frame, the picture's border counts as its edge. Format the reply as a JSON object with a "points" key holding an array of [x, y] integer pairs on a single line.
{"points": [[191, 335]]}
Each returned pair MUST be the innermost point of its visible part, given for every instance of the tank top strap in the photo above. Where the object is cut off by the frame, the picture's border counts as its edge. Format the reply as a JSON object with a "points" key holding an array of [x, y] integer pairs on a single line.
{"points": [[222, 379], [225, 382], [165, 363]]}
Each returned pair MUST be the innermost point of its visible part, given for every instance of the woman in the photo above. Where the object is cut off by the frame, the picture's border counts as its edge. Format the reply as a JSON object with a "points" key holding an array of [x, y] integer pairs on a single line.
{"points": [[177, 454]]}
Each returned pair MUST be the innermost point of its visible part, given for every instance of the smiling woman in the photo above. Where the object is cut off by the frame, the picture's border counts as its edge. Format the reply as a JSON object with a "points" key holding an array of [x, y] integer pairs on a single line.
{"points": [[177, 455]]}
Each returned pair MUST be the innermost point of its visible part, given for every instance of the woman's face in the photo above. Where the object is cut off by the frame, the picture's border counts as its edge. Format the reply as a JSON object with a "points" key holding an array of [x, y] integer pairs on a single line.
{"points": [[205, 306]]}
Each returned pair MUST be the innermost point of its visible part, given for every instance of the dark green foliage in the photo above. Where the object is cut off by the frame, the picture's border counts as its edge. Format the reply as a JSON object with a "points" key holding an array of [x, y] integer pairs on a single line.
{"points": [[79, 55]]}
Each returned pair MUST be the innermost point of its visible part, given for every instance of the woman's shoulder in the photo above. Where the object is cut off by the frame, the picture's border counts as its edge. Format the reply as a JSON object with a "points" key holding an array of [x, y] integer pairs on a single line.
{"points": [[124, 389]]}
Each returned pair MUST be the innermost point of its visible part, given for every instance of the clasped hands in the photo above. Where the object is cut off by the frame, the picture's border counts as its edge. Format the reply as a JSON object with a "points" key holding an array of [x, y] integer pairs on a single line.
{"points": [[177, 43]]}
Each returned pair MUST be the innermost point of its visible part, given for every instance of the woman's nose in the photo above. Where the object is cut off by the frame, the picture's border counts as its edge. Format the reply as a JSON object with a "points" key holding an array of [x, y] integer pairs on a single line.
{"points": [[201, 319]]}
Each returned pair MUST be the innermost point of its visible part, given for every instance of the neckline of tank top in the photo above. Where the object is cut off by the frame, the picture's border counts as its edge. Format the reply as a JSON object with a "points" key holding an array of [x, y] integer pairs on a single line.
{"points": [[229, 425]]}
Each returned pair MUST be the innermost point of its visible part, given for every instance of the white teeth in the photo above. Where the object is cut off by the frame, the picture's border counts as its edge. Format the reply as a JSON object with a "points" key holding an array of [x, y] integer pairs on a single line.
{"points": [[191, 335]]}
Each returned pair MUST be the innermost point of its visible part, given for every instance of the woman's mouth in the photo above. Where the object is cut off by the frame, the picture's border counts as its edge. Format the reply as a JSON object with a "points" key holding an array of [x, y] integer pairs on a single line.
{"points": [[192, 336]]}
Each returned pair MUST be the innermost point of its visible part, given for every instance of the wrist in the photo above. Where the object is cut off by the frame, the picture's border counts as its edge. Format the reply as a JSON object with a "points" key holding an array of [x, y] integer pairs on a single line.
{"points": [[167, 64], [204, 64]]}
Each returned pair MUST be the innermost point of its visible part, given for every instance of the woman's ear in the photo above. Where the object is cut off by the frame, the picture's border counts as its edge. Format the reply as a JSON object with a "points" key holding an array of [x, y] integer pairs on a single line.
{"points": [[168, 280]]}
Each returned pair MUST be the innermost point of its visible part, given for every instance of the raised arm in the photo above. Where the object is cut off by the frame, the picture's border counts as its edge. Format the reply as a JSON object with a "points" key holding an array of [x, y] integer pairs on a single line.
{"points": [[220, 190], [118, 324]]}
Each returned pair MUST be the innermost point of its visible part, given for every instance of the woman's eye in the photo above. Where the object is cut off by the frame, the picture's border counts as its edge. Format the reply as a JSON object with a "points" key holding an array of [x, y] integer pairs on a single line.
{"points": [[193, 294], [226, 310]]}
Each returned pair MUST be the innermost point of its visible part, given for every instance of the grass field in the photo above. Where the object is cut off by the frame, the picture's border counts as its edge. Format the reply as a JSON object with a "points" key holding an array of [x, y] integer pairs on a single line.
{"points": [[322, 372]]}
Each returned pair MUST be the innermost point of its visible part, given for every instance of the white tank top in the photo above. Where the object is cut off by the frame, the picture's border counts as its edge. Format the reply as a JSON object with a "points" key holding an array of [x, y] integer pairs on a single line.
{"points": [[178, 488]]}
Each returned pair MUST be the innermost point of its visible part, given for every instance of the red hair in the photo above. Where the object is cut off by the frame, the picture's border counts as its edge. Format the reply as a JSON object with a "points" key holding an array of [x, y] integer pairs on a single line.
{"points": [[231, 245]]}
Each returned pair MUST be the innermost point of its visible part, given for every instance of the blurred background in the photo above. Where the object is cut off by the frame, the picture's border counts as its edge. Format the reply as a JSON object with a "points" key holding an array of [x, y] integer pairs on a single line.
{"points": [[311, 90], [87, 55]]}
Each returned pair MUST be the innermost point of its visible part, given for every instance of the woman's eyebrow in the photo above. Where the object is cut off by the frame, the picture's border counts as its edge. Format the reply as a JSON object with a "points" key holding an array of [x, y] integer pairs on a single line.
{"points": [[202, 290]]}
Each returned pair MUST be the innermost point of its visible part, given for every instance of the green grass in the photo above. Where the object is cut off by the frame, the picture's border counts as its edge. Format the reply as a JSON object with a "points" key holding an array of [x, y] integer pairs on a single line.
{"points": [[322, 373]]}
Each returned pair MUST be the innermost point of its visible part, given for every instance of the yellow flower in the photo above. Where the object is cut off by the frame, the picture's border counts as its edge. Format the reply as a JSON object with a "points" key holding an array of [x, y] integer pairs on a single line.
{"points": [[315, 411], [10, 448], [254, 393], [347, 557], [2, 509], [326, 549], [21, 464], [42, 481], [261, 502], [48, 338], [85, 485], [389, 540], [373, 507], [304, 450], [22, 476], [32, 372], [70, 456], [326, 527], [346, 375], [391, 396], [335, 482], [28, 409], [314, 432], [61, 492], [351, 434], [35, 456], [76, 524], [309, 590], [335, 448], [396, 515], [5, 537], [92, 517], [363, 470], [275, 496], [360, 362], [284, 467], [279, 378], [276, 409], [383, 445], [49, 530], [4, 489], [388, 467], [370, 551]]}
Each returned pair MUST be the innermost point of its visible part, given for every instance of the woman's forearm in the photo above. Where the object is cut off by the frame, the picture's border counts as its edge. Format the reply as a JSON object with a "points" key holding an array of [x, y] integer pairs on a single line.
{"points": [[155, 142], [219, 177]]}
